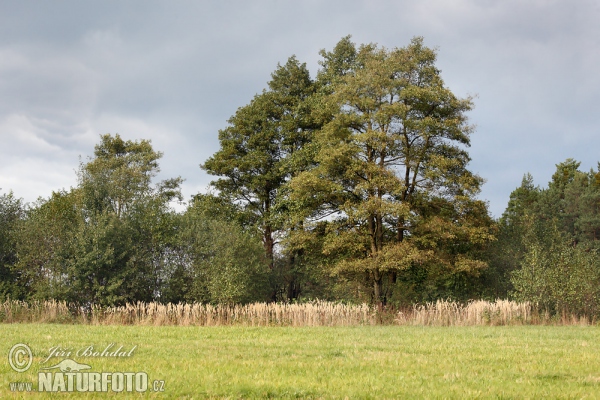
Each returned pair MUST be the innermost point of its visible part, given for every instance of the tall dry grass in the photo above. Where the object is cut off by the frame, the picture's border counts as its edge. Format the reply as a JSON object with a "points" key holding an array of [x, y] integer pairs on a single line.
{"points": [[50, 311], [315, 313], [480, 312]]}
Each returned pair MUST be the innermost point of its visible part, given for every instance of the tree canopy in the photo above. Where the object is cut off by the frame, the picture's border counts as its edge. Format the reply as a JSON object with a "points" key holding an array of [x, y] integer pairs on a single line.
{"points": [[390, 173]]}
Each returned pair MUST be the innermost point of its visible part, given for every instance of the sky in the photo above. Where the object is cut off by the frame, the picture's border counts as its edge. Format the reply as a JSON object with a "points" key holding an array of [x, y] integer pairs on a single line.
{"points": [[174, 72]]}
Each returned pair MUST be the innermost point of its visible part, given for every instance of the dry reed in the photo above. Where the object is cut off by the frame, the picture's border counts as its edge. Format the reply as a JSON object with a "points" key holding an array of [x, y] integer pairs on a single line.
{"points": [[479, 312], [315, 313], [50, 311]]}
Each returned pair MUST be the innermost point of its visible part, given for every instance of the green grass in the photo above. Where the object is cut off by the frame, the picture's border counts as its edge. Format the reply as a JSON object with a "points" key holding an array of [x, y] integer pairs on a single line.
{"points": [[330, 362]]}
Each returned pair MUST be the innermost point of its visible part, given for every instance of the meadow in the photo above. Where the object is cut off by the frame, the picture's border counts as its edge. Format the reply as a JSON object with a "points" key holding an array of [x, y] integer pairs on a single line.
{"points": [[362, 361]]}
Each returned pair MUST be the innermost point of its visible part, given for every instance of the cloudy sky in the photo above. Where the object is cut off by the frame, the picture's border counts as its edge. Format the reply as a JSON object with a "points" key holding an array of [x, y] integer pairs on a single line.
{"points": [[175, 71]]}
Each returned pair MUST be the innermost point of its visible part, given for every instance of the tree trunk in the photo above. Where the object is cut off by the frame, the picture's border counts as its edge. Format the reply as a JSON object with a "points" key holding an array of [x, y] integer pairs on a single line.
{"points": [[269, 244], [377, 286], [400, 227], [268, 231]]}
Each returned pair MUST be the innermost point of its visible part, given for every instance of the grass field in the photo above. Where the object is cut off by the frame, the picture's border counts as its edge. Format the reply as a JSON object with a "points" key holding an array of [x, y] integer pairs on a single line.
{"points": [[326, 362]]}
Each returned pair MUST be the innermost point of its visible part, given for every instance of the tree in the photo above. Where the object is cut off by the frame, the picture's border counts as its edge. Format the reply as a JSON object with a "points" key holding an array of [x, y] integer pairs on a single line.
{"points": [[547, 248], [558, 276], [390, 171], [571, 201], [583, 207], [120, 176], [260, 149], [44, 246], [522, 201], [337, 64], [11, 214], [108, 241], [121, 252], [507, 253], [223, 262]]}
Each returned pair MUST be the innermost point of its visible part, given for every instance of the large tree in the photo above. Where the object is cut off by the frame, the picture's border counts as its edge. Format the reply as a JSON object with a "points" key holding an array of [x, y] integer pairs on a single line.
{"points": [[255, 158], [109, 240], [390, 173], [122, 251]]}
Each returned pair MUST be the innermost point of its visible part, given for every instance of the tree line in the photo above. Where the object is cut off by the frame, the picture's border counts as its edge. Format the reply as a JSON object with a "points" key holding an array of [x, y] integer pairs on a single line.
{"points": [[352, 186]]}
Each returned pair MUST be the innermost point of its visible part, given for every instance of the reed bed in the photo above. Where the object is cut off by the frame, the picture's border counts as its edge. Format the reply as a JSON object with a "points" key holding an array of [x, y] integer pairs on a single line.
{"points": [[51, 311], [479, 312], [315, 313]]}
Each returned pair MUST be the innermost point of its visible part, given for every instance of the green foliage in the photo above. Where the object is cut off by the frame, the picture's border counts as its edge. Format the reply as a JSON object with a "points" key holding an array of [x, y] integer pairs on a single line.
{"points": [[224, 263], [558, 275], [506, 254], [122, 251], [548, 247], [108, 241], [337, 63], [263, 146], [119, 174], [389, 171], [251, 160], [44, 241], [11, 213], [211, 206]]}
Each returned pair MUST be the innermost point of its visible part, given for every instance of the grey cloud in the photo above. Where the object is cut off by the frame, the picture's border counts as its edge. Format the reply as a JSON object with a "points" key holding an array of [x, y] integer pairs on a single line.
{"points": [[175, 72]]}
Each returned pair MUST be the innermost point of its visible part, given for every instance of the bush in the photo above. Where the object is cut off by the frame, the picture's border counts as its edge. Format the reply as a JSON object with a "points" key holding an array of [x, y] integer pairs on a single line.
{"points": [[559, 276]]}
